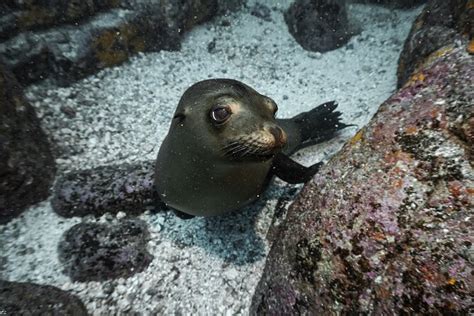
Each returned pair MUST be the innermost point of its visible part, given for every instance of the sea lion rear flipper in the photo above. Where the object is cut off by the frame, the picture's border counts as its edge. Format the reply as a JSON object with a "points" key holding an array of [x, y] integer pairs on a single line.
{"points": [[312, 127], [290, 171]]}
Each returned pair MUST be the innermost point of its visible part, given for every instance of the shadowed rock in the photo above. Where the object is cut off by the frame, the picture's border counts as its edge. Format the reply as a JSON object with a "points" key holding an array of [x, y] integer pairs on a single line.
{"points": [[319, 25], [96, 252], [128, 188], [386, 226], [27, 166], [34, 299]]}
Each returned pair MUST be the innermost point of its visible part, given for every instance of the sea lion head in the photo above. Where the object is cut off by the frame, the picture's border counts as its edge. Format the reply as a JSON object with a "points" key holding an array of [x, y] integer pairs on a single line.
{"points": [[226, 119]]}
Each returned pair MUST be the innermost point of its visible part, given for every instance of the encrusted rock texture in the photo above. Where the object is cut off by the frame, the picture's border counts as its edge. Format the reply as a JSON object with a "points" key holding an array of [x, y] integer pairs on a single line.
{"points": [[320, 25], [386, 226], [118, 188], [34, 299], [441, 23], [97, 252], [67, 39], [27, 166]]}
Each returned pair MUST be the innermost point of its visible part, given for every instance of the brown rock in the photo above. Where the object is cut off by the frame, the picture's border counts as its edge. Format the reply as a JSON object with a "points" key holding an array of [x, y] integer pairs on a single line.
{"points": [[386, 226], [105, 38], [21, 16]]}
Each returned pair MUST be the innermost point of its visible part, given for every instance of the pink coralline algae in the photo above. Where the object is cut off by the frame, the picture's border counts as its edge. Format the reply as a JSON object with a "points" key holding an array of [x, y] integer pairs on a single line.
{"points": [[386, 226]]}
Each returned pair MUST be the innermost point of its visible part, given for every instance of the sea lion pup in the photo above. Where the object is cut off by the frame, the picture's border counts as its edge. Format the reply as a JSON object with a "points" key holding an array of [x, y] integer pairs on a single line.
{"points": [[225, 144]]}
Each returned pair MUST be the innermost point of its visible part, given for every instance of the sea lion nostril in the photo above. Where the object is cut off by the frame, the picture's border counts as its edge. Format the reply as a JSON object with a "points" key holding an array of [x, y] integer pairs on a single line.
{"points": [[279, 135]]}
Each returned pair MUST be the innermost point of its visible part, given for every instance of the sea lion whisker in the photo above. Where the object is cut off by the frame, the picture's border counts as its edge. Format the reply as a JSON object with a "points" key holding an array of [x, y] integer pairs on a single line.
{"points": [[235, 150], [240, 150], [230, 148], [231, 144]]}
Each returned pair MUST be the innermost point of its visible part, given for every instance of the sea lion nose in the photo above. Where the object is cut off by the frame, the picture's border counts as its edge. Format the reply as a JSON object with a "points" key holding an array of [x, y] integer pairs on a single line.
{"points": [[280, 136]]}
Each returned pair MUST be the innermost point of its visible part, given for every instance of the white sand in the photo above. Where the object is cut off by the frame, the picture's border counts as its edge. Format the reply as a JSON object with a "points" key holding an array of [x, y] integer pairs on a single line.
{"points": [[201, 266]]}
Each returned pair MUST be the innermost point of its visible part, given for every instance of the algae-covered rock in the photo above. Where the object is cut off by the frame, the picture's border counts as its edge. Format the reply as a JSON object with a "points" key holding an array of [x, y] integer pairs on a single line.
{"points": [[27, 166], [96, 252], [127, 187], [386, 226]]}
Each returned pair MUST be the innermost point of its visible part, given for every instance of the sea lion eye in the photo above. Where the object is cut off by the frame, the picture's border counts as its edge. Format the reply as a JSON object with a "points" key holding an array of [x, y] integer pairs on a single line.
{"points": [[220, 114]]}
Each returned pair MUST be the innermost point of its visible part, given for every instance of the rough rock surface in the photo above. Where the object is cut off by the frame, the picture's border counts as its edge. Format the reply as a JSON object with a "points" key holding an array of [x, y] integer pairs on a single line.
{"points": [[95, 35], [386, 226], [27, 167], [33, 299], [320, 25], [442, 22], [97, 252], [127, 188]]}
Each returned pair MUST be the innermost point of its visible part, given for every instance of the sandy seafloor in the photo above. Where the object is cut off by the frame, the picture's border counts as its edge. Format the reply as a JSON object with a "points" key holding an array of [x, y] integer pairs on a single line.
{"points": [[201, 266]]}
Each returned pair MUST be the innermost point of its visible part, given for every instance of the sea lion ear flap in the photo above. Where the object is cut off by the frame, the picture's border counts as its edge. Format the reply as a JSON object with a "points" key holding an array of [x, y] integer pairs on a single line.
{"points": [[179, 117]]}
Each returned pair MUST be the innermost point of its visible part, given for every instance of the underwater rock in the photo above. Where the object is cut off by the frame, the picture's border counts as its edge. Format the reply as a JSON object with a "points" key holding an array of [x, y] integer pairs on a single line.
{"points": [[70, 52], [97, 252], [386, 226], [320, 25], [27, 166], [33, 299], [20, 16], [108, 189], [66, 52], [441, 23], [261, 11]]}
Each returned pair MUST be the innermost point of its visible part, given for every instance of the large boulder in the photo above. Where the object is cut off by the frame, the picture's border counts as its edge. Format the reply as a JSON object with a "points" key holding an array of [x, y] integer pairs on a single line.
{"points": [[97, 252], [68, 39], [320, 25], [34, 299], [441, 23], [27, 166], [386, 226]]}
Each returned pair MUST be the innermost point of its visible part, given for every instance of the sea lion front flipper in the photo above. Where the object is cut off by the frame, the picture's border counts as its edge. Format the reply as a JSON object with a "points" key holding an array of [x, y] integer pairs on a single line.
{"points": [[183, 215], [290, 171], [160, 206]]}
